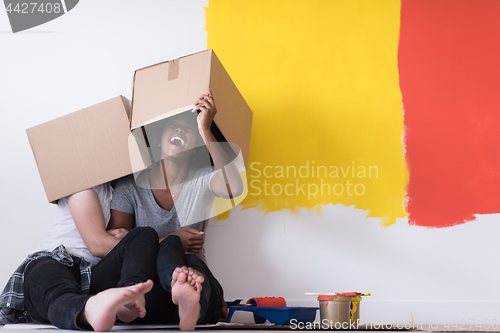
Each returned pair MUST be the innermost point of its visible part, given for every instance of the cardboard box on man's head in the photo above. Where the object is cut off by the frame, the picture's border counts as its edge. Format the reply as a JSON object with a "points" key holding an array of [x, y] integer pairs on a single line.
{"points": [[172, 87], [83, 149], [94, 145]]}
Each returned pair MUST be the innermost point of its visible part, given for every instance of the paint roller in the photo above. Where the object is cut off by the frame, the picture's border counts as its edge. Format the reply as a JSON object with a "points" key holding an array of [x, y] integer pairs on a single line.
{"points": [[276, 302]]}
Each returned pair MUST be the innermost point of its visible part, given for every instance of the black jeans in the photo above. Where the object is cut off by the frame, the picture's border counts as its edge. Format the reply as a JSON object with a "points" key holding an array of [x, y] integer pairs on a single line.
{"points": [[52, 290], [160, 309]]}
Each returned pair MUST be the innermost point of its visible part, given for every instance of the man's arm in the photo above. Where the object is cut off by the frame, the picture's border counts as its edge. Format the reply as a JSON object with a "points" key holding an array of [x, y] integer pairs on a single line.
{"points": [[87, 214]]}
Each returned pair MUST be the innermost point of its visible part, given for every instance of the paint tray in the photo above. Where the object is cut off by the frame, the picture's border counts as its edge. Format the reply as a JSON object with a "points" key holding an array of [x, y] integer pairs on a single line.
{"points": [[277, 316]]}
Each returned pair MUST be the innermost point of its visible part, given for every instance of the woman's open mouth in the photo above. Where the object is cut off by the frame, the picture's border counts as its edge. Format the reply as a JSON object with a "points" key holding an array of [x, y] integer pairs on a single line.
{"points": [[177, 141]]}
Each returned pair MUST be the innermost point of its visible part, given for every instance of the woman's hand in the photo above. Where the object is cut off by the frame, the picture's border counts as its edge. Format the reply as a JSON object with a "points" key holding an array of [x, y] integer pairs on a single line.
{"points": [[191, 238], [118, 233], [228, 182], [206, 105]]}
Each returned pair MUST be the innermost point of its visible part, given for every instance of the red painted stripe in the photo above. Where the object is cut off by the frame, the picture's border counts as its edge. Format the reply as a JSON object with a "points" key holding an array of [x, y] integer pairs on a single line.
{"points": [[449, 64]]}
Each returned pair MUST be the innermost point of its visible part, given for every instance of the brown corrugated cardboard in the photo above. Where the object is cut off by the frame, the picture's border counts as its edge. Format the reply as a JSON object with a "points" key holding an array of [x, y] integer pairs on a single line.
{"points": [[83, 149], [171, 87], [95, 145]]}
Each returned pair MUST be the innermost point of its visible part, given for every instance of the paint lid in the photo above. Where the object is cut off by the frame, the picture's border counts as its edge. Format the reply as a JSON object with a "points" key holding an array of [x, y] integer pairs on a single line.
{"points": [[332, 296], [327, 297], [348, 294]]}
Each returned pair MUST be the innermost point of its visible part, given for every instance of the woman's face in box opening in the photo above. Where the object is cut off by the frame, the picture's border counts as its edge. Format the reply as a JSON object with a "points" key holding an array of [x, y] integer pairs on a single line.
{"points": [[179, 136]]}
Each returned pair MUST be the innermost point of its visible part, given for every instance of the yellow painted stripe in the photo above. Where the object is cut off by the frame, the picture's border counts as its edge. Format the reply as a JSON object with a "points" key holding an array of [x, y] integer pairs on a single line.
{"points": [[322, 80]]}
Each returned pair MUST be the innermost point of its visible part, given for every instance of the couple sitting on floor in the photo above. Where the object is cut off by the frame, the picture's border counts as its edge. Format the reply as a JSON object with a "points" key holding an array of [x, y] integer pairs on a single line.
{"points": [[131, 253]]}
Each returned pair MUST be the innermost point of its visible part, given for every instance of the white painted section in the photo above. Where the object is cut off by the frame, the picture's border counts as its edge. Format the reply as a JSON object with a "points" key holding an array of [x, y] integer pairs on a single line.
{"points": [[90, 54], [434, 274]]}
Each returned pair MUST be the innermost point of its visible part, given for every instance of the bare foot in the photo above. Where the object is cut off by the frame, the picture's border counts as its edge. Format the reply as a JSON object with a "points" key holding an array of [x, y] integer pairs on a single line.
{"points": [[101, 310], [131, 311], [187, 297], [194, 277]]}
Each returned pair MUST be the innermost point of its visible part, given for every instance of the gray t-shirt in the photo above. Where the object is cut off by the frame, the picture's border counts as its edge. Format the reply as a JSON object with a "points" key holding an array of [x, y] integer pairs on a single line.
{"points": [[192, 208]]}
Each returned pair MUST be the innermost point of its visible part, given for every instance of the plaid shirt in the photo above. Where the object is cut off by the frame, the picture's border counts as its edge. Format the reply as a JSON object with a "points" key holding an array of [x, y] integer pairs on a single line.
{"points": [[12, 307]]}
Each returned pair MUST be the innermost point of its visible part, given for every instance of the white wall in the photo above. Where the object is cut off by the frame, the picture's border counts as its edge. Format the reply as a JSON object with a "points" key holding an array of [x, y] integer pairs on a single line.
{"points": [[432, 274], [79, 59], [90, 54]]}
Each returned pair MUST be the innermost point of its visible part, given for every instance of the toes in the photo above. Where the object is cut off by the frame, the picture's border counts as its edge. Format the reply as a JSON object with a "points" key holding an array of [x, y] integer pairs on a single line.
{"points": [[175, 275], [199, 277], [190, 279], [139, 310], [182, 277], [128, 292], [148, 285]]}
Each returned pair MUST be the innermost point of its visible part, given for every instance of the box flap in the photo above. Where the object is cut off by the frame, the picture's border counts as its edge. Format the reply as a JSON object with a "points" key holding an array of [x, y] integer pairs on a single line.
{"points": [[234, 117], [168, 88]]}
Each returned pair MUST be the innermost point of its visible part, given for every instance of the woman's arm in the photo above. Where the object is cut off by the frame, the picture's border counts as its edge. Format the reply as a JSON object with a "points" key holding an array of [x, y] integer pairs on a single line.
{"points": [[87, 214], [121, 220], [227, 183]]}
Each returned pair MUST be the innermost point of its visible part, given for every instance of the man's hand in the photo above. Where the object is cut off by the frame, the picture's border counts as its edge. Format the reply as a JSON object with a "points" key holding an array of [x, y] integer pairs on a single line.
{"points": [[191, 238], [118, 233]]}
